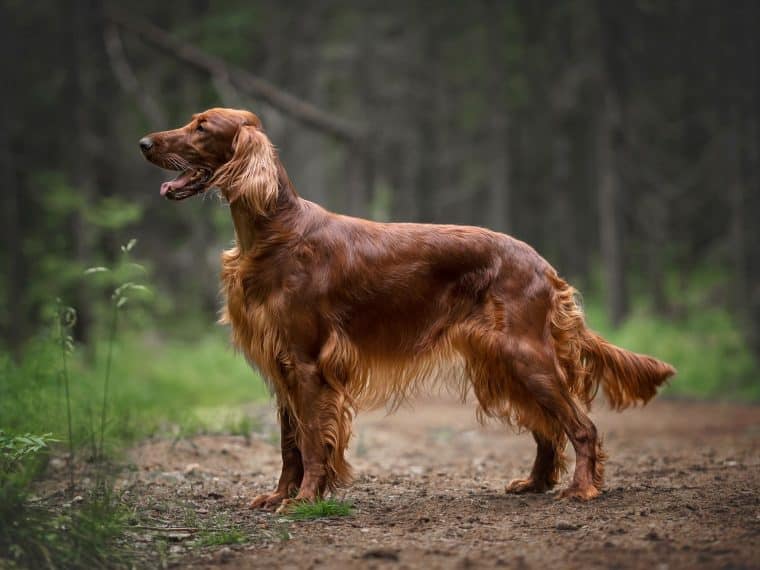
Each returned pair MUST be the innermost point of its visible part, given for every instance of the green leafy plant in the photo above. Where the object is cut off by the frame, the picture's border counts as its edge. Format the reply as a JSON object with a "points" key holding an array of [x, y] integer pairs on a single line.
{"points": [[119, 299], [66, 319], [15, 449], [84, 533]]}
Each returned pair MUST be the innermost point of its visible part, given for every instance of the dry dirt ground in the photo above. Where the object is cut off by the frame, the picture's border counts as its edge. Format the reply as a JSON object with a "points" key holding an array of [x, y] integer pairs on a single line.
{"points": [[682, 491]]}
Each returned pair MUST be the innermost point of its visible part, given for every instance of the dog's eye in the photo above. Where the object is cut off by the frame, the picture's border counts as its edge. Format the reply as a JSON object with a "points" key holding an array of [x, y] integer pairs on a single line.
{"points": [[199, 128]]}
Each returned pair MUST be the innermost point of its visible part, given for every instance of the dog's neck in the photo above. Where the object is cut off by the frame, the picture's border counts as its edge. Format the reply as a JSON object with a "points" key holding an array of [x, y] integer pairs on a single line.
{"points": [[249, 225]]}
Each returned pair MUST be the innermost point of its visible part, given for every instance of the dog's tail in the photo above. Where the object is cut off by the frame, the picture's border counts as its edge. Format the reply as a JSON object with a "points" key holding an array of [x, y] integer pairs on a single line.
{"points": [[587, 360]]}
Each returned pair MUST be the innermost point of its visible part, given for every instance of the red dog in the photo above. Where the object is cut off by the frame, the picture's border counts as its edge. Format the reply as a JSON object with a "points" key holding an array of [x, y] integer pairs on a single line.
{"points": [[341, 313]]}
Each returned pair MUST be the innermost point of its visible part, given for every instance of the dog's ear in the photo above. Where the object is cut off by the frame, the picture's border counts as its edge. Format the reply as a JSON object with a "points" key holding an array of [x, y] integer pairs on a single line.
{"points": [[251, 174]]}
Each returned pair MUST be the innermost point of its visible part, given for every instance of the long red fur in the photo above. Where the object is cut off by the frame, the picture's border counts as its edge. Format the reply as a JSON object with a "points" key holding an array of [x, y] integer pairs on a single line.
{"points": [[340, 314]]}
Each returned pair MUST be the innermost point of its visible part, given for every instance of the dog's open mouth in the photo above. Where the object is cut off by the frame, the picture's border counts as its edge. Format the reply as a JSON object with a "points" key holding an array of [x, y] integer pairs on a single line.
{"points": [[187, 183]]}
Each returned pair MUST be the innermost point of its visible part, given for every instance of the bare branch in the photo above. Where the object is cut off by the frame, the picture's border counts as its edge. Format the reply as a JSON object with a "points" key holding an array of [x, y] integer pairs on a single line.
{"points": [[301, 110], [127, 78], [227, 92]]}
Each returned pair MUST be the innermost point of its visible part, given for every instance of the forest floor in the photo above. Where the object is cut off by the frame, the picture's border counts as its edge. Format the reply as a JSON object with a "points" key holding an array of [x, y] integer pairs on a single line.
{"points": [[682, 491]]}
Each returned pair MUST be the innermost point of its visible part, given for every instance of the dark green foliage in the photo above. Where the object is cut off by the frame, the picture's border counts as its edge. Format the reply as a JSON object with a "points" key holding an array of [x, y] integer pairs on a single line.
{"points": [[84, 533], [88, 534], [706, 347]]}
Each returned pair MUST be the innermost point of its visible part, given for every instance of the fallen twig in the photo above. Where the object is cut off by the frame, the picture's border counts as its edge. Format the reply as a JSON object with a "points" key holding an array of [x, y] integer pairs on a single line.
{"points": [[167, 528]]}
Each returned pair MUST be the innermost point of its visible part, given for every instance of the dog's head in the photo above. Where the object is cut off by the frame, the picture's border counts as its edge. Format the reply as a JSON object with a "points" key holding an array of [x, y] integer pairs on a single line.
{"points": [[219, 148]]}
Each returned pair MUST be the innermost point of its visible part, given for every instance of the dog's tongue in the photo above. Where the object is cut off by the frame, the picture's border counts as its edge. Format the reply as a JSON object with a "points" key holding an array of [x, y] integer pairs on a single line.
{"points": [[181, 181]]}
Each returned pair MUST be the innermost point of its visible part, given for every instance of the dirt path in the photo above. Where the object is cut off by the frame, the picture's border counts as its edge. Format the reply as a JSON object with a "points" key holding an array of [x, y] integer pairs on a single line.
{"points": [[683, 491]]}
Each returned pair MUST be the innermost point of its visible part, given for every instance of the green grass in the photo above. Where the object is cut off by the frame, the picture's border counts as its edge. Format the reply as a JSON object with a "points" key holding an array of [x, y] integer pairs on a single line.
{"points": [[324, 508], [158, 386], [221, 537], [218, 530]]}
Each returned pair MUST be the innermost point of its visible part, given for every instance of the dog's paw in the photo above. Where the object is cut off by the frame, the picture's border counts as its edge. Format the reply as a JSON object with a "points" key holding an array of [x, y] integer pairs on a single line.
{"points": [[579, 493], [286, 505], [518, 486], [267, 501], [529, 485]]}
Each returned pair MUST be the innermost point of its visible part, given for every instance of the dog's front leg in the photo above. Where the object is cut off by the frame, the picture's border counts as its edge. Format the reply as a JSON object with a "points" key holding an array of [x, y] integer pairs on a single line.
{"points": [[323, 434], [292, 465]]}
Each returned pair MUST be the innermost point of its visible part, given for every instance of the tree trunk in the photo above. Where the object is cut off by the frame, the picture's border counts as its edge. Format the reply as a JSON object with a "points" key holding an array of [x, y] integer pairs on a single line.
{"points": [[611, 74], [750, 205], [610, 215], [561, 211], [83, 24], [12, 323], [360, 154], [427, 146], [656, 275], [359, 179], [499, 211], [14, 331]]}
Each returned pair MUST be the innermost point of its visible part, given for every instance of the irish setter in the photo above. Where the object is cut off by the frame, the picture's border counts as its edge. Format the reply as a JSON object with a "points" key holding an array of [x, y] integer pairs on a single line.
{"points": [[340, 314]]}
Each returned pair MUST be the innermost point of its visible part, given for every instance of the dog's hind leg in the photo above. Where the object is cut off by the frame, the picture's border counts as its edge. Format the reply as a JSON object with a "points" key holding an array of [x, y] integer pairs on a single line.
{"points": [[506, 378], [520, 382], [588, 477], [547, 467], [515, 377], [500, 385], [546, 388]]}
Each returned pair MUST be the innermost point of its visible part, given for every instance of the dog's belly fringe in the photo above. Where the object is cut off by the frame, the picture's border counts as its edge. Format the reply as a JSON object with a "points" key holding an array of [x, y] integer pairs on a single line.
{"points": [[368, 382], [372, 381]]}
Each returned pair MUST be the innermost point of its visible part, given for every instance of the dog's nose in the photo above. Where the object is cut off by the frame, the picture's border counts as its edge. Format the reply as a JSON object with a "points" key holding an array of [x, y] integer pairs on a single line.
{"points": [[146, 144]]}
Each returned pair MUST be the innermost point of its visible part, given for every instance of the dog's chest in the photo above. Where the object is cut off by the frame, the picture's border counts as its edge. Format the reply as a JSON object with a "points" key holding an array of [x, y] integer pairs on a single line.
{"points": [[255, 326]]}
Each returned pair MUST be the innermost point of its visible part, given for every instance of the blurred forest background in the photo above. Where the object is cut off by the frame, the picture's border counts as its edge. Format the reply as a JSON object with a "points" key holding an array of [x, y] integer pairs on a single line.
{"points": [[621, 139]]}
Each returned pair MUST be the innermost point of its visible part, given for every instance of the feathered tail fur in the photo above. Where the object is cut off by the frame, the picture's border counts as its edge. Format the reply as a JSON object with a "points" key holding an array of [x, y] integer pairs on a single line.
{"points": [[587, 360]]}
